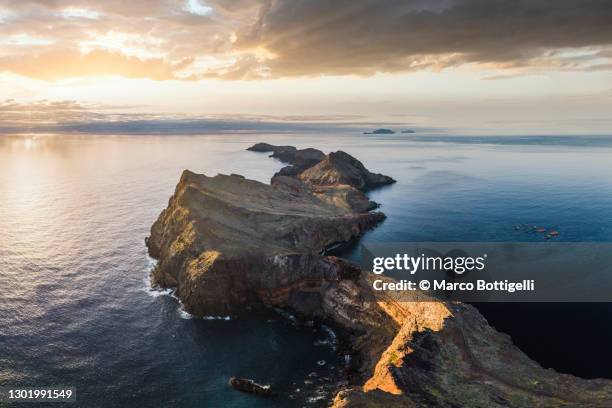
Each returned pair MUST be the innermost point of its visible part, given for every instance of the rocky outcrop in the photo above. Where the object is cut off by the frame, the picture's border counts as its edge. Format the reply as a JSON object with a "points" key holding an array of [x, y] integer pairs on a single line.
{"points": [[381, 131], [341, 195], [249, 386], [447, 355], [299, 159], [226, 243], [341, 168], [337, 178]]}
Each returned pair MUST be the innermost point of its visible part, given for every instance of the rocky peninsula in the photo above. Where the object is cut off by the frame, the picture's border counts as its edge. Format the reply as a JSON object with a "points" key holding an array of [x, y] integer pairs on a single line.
{"points": [[226, 244]]}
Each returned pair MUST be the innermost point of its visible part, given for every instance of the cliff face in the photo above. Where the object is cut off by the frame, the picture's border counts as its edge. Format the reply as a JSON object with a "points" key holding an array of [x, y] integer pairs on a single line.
{"points": [[447, 355], [226, 242], [222, 241]]}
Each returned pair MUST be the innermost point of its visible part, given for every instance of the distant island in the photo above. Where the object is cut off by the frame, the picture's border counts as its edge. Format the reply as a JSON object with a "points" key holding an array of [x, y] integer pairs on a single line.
{"points": [[383, 131], [380, 132]]}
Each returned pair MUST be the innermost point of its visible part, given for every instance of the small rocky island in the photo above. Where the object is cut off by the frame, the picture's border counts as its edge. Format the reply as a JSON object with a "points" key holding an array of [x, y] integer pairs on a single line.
{"points": [[251, 387], [381, 131], [227, 244]]}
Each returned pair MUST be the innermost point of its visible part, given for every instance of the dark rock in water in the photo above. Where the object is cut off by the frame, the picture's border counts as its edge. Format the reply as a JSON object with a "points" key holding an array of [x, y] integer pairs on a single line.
{"points": [[267, 147], [380, 132], [300, 157], [251, 387], [408, 131]]}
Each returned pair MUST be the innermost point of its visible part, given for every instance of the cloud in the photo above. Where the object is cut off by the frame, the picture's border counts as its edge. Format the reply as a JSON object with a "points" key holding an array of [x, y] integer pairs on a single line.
{"points": [[363, 37], [58, 64], [156, 39], [161, 39], [195, 7]]}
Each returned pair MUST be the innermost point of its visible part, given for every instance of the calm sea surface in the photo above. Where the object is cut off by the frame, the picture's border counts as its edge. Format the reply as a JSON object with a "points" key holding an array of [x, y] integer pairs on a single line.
{"points": [[76, 309]]}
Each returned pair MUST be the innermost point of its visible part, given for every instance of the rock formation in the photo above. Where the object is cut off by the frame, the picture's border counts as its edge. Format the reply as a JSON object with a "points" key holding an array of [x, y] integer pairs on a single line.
{"points": [[380, 132], [226, 242], [337, 178], [446, 355], [340, 168], [299, 159], [249, 386]]}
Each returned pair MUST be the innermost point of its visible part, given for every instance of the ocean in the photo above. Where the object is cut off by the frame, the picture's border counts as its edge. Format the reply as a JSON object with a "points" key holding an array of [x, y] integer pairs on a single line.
{"points": [[75, 304]]}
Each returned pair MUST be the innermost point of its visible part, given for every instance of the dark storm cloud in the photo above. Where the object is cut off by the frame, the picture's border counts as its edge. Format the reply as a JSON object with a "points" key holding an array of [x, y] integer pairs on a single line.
{"points": [[365, 36]]}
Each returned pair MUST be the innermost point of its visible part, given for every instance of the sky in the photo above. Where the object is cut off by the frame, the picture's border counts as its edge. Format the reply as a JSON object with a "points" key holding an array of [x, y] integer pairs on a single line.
{"points": [[473, 66]]}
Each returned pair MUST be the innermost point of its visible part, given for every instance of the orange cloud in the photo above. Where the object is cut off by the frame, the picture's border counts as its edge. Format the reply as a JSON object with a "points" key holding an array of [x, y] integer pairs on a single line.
{"points": [[55, 65]]}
